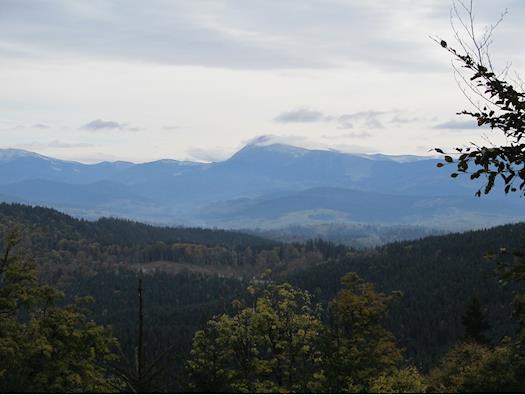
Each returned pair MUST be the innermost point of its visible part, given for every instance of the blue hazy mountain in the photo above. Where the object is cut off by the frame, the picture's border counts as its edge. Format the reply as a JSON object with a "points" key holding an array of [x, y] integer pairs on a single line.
{"points": [[258, 185], [20, 165], [338, 205]]}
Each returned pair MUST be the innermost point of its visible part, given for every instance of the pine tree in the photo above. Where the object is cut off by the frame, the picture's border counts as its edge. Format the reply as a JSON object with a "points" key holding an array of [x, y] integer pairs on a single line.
{"points": [[475, 323]]}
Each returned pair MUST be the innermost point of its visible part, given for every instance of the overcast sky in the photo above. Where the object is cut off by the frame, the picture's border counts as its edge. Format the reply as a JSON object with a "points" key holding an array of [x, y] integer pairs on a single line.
{"points": [[197, 79]]}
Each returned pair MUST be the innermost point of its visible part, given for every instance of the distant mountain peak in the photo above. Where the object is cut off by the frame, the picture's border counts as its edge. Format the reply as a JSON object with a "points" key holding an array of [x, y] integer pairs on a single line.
{"points": [[270, 143], [254, 151], [274, 142], [9, 154]]}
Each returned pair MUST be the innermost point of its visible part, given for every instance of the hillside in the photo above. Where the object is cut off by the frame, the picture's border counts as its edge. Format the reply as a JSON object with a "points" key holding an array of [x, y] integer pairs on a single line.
{"points": [[438, 275], [106, 231]]}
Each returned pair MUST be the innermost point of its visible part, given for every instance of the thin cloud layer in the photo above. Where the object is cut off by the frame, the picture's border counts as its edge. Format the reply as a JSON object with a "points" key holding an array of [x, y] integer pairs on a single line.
{"points": [[228, 34], [99, 124], [368, 119], [302, 115], [371, 119]]}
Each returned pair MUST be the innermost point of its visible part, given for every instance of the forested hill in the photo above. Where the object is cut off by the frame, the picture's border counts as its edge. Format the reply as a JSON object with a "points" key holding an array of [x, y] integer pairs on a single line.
{"points": [[53, 226], [197, 273], [438, 276]]}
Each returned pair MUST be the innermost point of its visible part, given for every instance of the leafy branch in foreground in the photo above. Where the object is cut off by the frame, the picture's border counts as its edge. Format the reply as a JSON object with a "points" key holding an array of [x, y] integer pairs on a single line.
{"points": [[499, 105]]}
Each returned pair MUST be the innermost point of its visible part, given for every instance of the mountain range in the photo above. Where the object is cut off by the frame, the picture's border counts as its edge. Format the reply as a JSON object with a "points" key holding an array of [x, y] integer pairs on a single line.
{"points": [[260, 186]]}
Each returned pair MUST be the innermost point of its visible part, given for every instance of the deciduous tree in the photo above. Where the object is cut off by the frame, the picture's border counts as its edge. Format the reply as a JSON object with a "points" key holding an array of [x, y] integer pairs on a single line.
{"points": [[45, 347]]}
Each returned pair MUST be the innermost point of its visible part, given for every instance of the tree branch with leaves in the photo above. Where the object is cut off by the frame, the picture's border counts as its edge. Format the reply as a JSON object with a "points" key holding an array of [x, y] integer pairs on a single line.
{"points": [[498, 103]]}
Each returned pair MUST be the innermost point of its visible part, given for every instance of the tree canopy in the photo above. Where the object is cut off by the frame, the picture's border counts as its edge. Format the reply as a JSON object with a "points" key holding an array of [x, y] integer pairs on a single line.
{"points": [[45, 347], [281, 344]]}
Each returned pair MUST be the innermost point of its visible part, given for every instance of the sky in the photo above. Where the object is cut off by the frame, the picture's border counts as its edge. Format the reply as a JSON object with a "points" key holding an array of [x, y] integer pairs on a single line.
{"points": [[198, 79]]}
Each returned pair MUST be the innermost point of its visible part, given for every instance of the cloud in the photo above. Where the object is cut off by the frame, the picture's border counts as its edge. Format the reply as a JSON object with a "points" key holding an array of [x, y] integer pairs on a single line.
{"points": [[368, 119], [40, 126], [302, 115], [453, 124], [404, 120], [228, 34], [99, 124], [170, 127]]}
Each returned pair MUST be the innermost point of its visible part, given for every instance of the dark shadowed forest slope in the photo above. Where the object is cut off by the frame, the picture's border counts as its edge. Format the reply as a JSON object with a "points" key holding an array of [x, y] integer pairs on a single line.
{"points": [[116, 231], [437, 275]]}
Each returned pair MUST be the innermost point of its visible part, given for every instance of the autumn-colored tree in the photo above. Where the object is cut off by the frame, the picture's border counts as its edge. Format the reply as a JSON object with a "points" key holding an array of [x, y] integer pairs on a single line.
{"points": [[280, 344], [475, 368], [270, 347], [45, 347], [358, 349], [399, 381]]}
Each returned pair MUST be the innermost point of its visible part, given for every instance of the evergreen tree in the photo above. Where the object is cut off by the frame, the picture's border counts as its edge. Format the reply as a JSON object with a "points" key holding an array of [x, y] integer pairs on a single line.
{"points": [[475, 323]]}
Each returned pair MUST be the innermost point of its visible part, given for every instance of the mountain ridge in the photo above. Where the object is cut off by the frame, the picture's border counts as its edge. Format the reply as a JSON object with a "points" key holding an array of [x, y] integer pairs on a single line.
{"points": [[183, 192]]}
